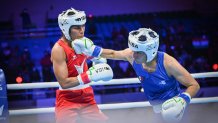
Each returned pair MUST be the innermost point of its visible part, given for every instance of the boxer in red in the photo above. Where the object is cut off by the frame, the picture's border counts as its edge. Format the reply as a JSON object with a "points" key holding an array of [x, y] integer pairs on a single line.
{"points": [[75, 98]]}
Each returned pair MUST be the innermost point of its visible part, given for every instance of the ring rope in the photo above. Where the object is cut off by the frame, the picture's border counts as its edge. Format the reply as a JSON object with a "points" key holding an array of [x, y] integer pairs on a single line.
{"points": [[111, 82], [108, 106]]}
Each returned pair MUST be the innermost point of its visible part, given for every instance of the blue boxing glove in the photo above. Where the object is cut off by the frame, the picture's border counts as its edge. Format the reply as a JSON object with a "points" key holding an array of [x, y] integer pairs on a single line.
{"points": [[173, 109], [87, 47]]}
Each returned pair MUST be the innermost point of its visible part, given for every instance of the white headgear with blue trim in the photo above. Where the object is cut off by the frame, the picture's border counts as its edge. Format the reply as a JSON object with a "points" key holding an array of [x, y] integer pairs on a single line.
{"points": [[146, 40]]}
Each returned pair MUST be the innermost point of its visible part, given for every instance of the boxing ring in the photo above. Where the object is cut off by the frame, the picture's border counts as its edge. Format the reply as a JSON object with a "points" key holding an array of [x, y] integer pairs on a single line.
{"points": [[135, 110]]}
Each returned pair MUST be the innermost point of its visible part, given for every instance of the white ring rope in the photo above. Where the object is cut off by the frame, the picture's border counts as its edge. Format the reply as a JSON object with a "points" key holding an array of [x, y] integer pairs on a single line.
{"points": [[112, 82], [107, 106], [101, 106]]}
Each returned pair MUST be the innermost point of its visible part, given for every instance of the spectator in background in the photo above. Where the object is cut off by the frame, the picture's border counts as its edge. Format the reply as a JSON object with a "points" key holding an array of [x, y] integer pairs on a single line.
{"points": [[92, 27], [46, 67], [26, 65], [115, 33], [50, 14], [35, 75], [124, 32], [26, 20]]}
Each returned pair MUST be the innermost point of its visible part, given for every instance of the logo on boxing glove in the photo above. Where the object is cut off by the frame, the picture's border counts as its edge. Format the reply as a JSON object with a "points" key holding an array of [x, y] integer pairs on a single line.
{"points": [[102, 69], [96, 73], [98, 70]]}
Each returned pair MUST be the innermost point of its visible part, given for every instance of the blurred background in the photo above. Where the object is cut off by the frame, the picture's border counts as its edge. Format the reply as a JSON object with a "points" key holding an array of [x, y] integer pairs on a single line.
{"points": [[188, 31]]}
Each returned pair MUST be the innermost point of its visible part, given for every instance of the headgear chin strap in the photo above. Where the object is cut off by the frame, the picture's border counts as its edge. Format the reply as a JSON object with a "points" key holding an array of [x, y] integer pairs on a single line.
{"points": [[146, 40], [69, 18]]}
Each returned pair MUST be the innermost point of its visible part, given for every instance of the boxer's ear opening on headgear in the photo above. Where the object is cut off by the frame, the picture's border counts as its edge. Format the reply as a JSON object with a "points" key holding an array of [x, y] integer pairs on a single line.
{"points": [[152, 34], [70, 13], [142, 38], [135, 33]]}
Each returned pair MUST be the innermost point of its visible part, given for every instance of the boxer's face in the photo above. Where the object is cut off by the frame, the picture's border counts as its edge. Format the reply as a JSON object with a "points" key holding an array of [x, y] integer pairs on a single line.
{"points": [[77, 31], [139, 57]]}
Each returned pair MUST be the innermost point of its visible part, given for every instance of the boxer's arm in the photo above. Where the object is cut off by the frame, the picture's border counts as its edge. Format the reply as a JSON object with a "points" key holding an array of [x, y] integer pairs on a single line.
{"points": [[176, 70], [86, 46], [58, 59], [173, 109], [117, 55]]}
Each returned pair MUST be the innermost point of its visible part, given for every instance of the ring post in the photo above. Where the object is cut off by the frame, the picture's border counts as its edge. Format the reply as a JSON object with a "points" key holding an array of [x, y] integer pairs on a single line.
{"points": [[3, 99]]}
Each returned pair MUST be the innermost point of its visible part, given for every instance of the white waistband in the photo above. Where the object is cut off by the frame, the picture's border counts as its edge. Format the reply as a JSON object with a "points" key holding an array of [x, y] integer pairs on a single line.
{"points": [[76, 87]]}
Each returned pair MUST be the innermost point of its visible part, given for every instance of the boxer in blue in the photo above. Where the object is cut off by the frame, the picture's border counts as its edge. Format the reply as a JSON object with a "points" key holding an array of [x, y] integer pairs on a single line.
{"points": [[159, 73]]}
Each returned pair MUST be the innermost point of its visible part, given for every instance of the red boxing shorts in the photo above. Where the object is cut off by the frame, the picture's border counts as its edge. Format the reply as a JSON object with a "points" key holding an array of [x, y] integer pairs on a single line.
{"points": [[73, 105]]}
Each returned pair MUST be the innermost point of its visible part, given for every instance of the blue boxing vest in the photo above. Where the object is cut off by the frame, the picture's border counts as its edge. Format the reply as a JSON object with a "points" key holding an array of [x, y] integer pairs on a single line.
{"points": [[157, 85]]}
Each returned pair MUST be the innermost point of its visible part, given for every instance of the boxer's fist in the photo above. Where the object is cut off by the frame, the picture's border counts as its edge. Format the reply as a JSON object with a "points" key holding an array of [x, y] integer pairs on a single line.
{"points": [[86, 46], [95, 73], [173, 109]]}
